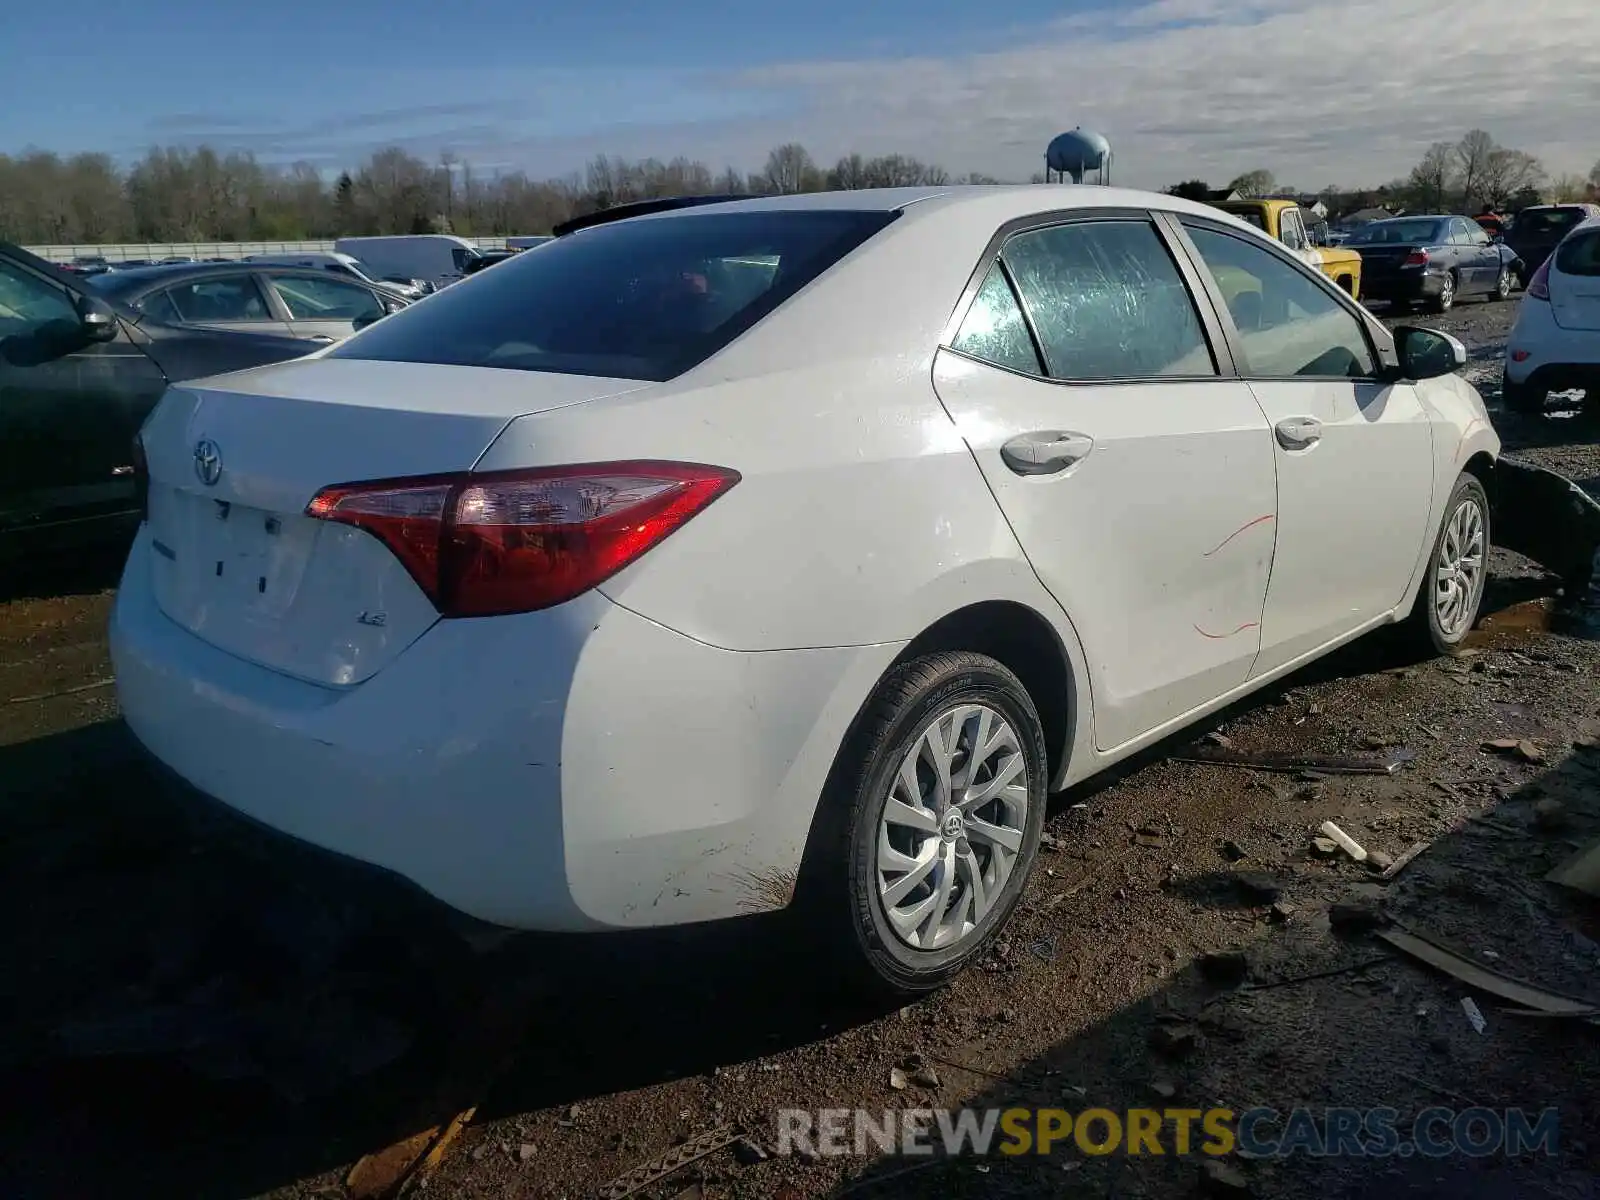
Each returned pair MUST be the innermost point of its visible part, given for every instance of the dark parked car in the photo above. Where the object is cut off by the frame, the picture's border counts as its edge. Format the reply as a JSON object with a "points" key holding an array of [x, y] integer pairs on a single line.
{"points": [[1432, 260], [1537, 231], [487, 258], [78, 375], [252, 297]]}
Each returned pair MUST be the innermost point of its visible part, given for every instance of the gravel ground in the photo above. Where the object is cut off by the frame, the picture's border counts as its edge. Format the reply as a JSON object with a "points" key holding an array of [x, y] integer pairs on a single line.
{"points": [[189, 1012]]}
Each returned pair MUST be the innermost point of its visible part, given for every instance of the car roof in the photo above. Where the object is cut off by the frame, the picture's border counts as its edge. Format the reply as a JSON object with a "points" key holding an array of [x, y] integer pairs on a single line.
{"points": [[139, 279], [997, 202]]}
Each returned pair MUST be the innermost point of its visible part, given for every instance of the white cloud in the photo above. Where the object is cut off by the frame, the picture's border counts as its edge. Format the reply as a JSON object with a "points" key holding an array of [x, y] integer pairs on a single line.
{"points": [[1315, 92]]}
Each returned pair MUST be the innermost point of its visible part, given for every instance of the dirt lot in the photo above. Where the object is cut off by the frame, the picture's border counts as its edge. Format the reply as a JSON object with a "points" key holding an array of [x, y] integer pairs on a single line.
{"points": [[191, 1012]]}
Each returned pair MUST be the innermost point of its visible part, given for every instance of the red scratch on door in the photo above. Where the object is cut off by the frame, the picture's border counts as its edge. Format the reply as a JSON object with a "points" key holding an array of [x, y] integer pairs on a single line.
{"points": [[1237, 532], [1217, 637]]}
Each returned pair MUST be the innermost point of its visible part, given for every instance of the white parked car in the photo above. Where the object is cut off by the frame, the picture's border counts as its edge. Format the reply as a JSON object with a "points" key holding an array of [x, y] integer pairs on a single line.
{"points": [[1555, 344], [786, 550]]}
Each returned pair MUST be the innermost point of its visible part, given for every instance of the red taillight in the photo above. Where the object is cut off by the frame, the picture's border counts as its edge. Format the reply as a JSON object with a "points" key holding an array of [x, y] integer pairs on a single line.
{"points": [[1539, 285], [1417, 258], [141, 478], [515, 541]]}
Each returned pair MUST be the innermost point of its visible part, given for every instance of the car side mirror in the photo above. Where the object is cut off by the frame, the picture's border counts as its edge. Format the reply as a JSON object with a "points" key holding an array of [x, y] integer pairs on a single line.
{"points": [[99, 320], [391, 305], [1427, 353]]}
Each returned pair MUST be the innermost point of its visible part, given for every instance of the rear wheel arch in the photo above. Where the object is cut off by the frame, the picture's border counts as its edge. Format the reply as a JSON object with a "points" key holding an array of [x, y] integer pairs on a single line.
{"points": [[1013, 634], [1021, 640]]}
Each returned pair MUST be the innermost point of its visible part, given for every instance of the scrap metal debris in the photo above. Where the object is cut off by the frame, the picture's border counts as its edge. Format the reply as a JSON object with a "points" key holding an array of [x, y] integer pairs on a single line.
{"points": [[1315, 764], [1474, 1015], [673, 1160], [1482, 979]]}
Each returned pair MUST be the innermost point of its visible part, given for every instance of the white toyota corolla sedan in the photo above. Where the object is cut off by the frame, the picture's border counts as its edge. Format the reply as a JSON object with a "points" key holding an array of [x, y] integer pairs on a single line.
{"points": [[786, 550]]}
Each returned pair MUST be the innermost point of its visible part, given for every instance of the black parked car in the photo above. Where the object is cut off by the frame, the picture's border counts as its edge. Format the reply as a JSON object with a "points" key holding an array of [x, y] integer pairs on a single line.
{"points": [[252, 297], [1536, 232], [78, 375], [487, 258], [1432, 260]]}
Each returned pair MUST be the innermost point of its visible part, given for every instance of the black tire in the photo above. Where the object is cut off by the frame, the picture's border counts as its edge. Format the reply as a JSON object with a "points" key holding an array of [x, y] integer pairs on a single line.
{"points": [[1422, 632], [1445, 300], [1523, 398], [839, 899], [1502, 286]]}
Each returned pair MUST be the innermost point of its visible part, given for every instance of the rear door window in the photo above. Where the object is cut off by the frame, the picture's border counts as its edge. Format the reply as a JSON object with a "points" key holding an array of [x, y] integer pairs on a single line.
{"points": [[209, 300], [994, 329], [1107, 302], [644, 298]]}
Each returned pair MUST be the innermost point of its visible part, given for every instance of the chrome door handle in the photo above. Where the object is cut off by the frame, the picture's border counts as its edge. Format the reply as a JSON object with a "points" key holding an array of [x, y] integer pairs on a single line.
{"points": [[1046, 451], [1298, 433], [323, 338]]}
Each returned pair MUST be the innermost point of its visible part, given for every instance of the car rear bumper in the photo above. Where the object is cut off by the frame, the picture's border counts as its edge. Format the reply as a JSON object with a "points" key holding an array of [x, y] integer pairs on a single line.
{"points": [[1542, 353], [1402, 285], [574, 769]]}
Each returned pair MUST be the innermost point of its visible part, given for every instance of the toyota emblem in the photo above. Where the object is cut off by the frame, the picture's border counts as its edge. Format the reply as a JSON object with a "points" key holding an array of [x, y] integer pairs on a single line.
{"points": [[207, 462]]}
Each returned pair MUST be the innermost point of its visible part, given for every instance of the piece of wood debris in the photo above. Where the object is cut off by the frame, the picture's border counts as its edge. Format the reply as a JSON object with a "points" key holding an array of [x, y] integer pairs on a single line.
{"points": [[1401, 863]]}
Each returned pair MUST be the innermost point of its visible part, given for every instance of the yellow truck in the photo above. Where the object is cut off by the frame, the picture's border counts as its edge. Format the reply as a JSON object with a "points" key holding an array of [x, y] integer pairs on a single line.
{"points": [[1286, 221]]}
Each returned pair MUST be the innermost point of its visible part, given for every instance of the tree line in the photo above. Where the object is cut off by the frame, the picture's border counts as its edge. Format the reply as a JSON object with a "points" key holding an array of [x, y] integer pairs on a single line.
{"points": [[202, 194], [1469, 176], [178, 194]]}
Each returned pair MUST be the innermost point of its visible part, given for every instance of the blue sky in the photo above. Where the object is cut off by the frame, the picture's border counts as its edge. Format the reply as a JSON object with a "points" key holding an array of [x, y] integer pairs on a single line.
{"points": [[1181, 86]]}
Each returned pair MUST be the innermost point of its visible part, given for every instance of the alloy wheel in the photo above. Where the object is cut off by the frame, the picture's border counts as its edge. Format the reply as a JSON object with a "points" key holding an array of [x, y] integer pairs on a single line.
{"points": [[952, 827], [1459, 571]]}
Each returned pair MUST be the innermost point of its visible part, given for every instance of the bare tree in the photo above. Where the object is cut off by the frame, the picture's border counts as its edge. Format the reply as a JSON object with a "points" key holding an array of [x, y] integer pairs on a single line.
{"points": [[1568, 189], [849, 174], [1594, 174], [1473, 155], [1432, 178], [789, 169], [1506, 173]]}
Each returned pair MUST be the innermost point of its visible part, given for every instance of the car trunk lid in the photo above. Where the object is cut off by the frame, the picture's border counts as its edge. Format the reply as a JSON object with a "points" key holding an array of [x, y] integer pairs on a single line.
{"points": [[234, 461], [1380, 261]]}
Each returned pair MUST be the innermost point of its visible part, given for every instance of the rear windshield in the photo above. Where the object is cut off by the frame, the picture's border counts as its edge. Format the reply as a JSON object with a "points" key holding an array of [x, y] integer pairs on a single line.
{"points": [[1547, 222], [645, 298], [1399, 233], [1580, 254]]}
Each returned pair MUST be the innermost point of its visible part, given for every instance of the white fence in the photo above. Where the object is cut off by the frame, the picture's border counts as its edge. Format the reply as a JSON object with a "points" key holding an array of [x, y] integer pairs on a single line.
{"points": [[156, 251]]}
